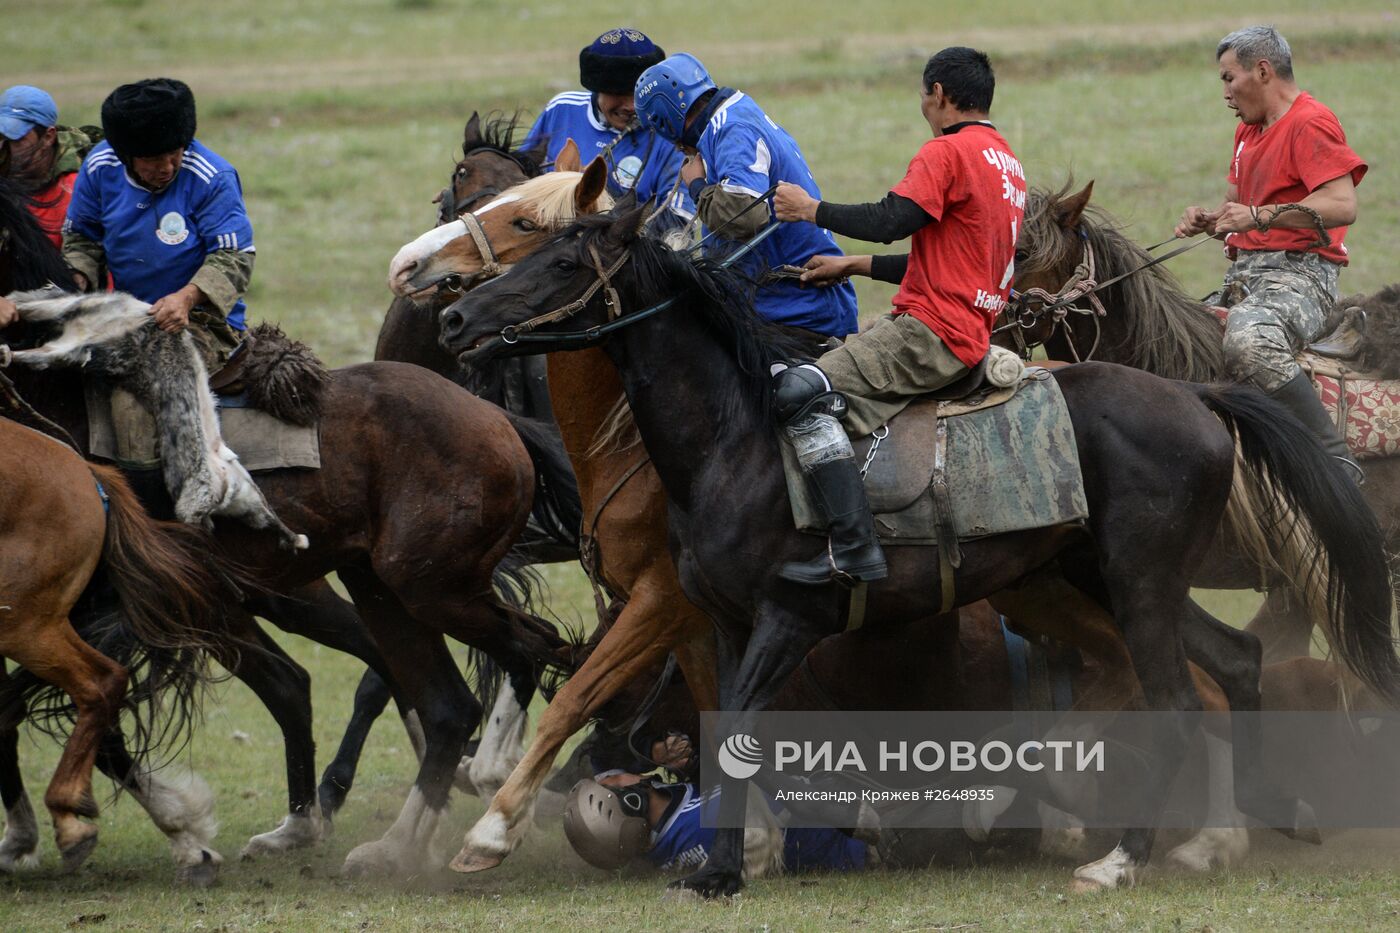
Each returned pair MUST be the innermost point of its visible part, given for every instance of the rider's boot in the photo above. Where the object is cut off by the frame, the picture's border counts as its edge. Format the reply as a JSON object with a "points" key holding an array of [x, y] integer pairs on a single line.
{"points": [[1299, 397]]}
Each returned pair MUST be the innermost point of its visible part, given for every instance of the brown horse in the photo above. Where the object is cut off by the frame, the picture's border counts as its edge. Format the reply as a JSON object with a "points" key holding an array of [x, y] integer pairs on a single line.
{"points": [[623, 504], [423, 489], [1152, 324], [60, 520]]}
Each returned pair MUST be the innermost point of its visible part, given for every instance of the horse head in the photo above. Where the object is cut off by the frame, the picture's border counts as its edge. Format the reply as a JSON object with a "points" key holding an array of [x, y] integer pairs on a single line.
{"points": [[488, 240], [489, 165], [1049, 251]]}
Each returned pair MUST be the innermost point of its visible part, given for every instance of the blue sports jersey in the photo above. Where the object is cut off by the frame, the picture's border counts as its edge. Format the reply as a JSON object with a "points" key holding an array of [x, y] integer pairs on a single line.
{"points": [[639, 161], [682, 842], [155, 243], [746, 152]]}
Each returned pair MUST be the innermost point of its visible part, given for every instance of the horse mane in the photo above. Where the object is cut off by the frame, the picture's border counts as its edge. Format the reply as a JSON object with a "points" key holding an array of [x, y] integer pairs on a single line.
{"points": [[498, 135], [551, 198], [33, 262], [1166, 331], [1380, 344], [723, 297]]}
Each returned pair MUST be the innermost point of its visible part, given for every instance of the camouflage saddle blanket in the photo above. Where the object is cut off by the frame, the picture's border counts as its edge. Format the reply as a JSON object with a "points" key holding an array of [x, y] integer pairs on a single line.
{"points": [[999, 461]]}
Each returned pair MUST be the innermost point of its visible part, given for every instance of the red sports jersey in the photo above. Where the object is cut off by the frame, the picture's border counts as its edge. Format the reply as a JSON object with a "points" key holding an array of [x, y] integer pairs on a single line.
{"points": [[960, 265], [50, 206], [1284, 164]]}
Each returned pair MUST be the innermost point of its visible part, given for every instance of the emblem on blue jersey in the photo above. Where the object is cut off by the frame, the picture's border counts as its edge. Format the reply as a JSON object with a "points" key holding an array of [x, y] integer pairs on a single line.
{"points": [[627, 171], [172, 230]]}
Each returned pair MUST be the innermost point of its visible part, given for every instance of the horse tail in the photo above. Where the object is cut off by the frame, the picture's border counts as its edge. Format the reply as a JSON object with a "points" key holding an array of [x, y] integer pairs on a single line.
{"points": [[168, 616], [1310, 522], [557, 509]]}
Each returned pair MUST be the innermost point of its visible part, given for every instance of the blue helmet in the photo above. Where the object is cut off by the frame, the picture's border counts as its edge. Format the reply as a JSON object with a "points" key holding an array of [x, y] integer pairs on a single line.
{"points": [[665, 91]]}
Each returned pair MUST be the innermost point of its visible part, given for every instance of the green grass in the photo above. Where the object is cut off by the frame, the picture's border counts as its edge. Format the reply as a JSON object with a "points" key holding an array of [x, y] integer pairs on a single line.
{"points": [[343, 119]]}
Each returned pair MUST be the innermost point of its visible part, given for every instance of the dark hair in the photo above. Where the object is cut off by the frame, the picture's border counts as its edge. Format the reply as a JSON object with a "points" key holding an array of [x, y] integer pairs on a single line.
{"points": [[966, 76]]}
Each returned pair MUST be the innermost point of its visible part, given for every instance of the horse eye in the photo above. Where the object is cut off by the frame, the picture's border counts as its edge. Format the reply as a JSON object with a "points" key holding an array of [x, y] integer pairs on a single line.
{"points": [[1020, 256], [565, 265], [524, 225]]}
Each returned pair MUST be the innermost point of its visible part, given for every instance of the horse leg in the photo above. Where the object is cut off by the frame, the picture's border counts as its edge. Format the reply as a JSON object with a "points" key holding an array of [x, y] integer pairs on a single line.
{"points": [[1232, 659], [284, 687], [649, 626], [1282, 625], [52, 651], [419, 660], [780, 640], [1223, 840], [371, 696], [19, 849], [182, 807]]}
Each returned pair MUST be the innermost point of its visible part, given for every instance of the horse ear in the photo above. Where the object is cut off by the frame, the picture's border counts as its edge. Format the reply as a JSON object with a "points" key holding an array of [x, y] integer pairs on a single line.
{"points": [[568, 159], [591, 186], [471, 135], [538, 151], [1072, 207], [629, 222]]}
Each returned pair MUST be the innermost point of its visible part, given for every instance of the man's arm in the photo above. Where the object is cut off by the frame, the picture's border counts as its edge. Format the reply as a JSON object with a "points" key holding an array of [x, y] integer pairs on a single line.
{"points": [[826, 270], [1334, 201], [85, 257], [1196, 219], [893, 218], [218, 284]]}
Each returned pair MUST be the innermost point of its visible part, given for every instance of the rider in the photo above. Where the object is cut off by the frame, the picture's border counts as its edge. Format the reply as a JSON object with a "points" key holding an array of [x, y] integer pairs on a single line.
{"points": [[166, 216], [602, 120], [961, 200], [618, 817], [40, 156], [1289, 150], [736, 152]]}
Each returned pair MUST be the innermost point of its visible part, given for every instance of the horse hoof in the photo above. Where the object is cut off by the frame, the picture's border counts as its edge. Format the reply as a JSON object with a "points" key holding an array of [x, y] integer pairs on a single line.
{"points": [[1086, 886], [1305, 828], [203, 874], [300, 543], [468, 862], [12, 862], [375, 860], [75, 854]]}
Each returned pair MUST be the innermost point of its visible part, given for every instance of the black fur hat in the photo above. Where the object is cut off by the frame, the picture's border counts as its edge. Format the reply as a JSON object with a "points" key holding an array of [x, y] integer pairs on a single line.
{"points": [[149, 118], [612, 64]]}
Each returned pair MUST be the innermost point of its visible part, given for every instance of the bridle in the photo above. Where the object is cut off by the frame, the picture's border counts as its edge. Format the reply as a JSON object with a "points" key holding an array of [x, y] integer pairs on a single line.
{"points": [[452, 206], [1026, 309]]}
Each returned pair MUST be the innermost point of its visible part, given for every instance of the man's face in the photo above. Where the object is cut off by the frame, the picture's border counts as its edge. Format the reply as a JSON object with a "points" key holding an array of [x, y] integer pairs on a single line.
{"points": [[26, 154], [618, 109], [155, 172], [1244, 93]]}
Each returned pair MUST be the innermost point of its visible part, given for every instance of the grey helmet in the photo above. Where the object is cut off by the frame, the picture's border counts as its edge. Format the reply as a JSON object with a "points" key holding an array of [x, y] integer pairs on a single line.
{"points": [[606, 828]]}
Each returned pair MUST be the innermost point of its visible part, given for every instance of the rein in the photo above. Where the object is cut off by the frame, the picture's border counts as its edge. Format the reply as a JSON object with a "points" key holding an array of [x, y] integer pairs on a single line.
{"points": [[1033, 304]]}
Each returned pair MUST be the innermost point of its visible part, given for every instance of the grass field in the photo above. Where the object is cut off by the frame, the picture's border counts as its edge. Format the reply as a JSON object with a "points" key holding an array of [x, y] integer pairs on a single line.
{"points": [[343, 119]]}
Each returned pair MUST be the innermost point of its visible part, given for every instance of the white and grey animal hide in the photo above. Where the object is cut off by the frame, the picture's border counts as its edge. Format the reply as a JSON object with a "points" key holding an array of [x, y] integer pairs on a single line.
{"points": [[112, 334]]}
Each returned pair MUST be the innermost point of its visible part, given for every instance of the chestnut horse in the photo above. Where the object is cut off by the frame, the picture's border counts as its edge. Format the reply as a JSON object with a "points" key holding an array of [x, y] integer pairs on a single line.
{"points": [[61, 521], [1152, 324], [422, 491], [623, 503]]}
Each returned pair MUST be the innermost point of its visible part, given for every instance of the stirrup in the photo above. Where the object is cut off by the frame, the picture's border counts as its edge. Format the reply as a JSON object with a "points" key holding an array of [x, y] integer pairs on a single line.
{"points": [[1358, 475]]}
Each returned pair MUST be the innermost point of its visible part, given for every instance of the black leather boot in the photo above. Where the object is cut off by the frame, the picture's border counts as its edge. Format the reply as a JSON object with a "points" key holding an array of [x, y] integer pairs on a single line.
{"points": [[1299, 396], [853, 552]]}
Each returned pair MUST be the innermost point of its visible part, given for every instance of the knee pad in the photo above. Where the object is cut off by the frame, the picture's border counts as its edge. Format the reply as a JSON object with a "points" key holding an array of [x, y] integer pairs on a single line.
{"points": [[803, 389]]}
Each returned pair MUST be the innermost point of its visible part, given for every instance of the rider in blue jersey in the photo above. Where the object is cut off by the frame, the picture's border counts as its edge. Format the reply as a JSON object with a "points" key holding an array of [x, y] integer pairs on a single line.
{"points": [[737, 153], [601, 120], [164, 215]]}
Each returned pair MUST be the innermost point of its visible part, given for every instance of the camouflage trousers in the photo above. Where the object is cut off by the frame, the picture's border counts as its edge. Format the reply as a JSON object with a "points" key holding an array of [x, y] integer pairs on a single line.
{"points": [[1279, 303]]}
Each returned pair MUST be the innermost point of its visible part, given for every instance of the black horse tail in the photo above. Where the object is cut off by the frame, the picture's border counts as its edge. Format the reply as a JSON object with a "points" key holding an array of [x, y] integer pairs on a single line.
{"points": [[1319, 530], [557, 514]]}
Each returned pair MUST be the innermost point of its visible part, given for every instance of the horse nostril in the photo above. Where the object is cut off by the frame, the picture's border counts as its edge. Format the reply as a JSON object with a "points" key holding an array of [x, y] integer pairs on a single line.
{"points": [[452, 322]]}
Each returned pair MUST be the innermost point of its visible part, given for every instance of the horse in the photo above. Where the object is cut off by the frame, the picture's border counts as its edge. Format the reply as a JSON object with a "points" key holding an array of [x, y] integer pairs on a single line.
{"points": [[490, 164], [1147, 321], [422, 492], [696, 380], [63, 523], [625, 534]]}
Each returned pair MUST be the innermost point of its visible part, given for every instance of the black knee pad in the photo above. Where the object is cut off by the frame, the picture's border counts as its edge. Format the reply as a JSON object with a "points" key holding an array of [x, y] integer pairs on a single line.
{"points": [[803, 389]]}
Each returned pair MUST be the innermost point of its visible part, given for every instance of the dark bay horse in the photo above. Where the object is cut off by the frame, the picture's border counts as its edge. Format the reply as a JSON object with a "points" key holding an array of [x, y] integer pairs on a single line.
{"points": [[696, 380], [62, 521], [1152, 324], [623, 504], [423, 490]]}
